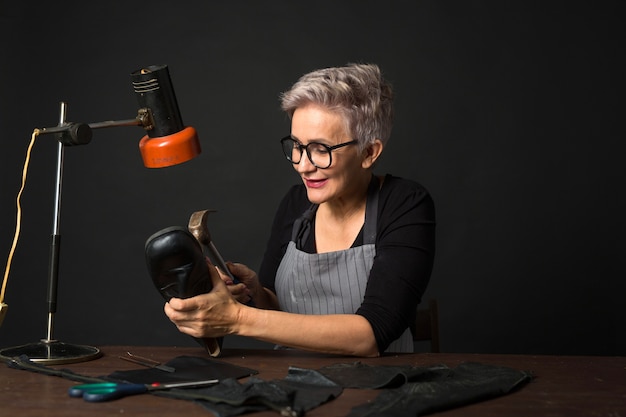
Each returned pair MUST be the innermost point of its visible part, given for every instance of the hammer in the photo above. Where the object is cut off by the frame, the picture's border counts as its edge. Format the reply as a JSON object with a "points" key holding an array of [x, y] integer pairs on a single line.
{"points": [[198, 227]]}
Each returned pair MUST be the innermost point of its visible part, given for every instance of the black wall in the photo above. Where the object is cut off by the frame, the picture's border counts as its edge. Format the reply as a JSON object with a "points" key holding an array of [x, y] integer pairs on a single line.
{"points": [[508, 112]]}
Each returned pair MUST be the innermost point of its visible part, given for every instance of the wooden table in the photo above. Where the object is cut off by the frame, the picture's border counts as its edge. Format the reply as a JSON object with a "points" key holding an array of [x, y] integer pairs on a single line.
{"points": [[566, 386]]}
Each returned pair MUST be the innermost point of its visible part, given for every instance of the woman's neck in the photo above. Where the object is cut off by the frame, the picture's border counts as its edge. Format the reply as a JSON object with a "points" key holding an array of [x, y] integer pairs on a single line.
{"points": [[349, 205], [338, 223]]}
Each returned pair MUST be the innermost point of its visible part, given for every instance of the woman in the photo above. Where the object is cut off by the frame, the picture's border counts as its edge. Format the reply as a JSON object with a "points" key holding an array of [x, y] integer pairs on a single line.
{"points": [[350, 253]]}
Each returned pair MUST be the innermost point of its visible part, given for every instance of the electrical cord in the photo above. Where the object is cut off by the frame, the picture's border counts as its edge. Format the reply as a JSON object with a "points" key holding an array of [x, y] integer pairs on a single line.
{"points": [[3, 306]]}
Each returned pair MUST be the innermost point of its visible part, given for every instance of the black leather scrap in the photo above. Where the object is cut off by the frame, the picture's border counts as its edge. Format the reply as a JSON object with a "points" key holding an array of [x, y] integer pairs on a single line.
{"points": [[25, 364], [231, 398], [187, 368], [359, 375], [310, 387], [225, 399], [467, 383], [300, 391]]}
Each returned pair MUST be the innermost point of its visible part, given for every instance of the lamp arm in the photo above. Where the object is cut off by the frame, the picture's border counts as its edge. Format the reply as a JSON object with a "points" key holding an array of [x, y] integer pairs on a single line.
{"points": [[144, 118], [116, 123], [80, 133]]}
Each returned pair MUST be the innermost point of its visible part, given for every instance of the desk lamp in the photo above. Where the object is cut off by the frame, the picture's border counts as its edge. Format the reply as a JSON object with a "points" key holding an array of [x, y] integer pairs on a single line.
{"points": [[168, 142]]}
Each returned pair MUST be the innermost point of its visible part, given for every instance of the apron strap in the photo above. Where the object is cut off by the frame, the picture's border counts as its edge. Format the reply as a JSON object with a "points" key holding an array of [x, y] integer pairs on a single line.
{"points": [[371, 212], [302, 226]]}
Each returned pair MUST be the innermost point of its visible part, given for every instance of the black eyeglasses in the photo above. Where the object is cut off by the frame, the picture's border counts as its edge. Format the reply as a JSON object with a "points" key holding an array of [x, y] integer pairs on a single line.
{"points": [[319, 154]]}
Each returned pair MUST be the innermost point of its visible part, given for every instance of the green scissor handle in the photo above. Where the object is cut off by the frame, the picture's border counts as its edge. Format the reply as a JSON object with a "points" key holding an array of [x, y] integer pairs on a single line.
{"points": [[106, 391]]}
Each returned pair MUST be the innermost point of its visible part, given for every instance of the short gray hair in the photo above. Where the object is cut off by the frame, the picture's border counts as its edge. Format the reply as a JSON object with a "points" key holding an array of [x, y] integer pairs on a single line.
{"points": [[356, 91]]}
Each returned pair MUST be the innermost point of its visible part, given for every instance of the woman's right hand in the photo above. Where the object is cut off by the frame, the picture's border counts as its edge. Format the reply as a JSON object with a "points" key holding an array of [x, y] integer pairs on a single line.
{"points": [[248, 285], [249, 288]]}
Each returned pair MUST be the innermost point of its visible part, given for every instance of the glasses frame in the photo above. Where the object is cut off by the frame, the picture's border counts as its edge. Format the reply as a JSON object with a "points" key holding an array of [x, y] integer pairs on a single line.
{"points": [[302, 147]]}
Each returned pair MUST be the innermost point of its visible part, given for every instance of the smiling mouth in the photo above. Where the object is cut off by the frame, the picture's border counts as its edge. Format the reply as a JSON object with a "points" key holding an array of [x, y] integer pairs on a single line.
{"points": [[314, 183]]}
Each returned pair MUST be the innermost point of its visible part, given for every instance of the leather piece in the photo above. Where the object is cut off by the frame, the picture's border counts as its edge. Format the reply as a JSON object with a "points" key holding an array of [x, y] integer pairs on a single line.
{"points": [[25, 364], [467, 383], [359, 375], [231, 398], [187, 368], [310, 388], [300, 391]]}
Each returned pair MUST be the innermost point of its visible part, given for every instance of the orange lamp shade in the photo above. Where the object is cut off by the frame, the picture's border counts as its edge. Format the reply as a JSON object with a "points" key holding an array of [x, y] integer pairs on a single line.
{"points": [[170, 150]]}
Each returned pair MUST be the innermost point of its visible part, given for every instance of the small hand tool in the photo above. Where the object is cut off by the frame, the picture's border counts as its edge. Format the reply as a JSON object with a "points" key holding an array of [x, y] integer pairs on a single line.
{"points": [[106, 391], [147, 362]]}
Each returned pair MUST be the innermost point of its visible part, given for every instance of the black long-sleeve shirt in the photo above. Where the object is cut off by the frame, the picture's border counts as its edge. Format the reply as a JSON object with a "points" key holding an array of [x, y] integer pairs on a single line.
{"points": [[405, 249]]}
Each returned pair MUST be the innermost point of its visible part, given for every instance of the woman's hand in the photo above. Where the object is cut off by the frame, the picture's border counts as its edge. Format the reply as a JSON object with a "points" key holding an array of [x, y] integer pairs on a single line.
{"points": [[248, 287], [213, 314]]}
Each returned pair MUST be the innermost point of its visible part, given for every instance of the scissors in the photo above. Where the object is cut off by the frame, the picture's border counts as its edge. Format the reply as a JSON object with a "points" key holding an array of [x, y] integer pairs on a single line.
{"points": [[105, 391]]}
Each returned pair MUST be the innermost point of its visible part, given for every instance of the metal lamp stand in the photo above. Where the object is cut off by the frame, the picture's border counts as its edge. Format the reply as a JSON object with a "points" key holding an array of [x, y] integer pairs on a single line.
{"points": [[49, 350], [171, 143]]}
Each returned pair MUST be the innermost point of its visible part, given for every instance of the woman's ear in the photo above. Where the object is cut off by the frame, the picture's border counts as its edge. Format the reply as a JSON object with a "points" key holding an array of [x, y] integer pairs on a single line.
{"points": [[371, 153]]}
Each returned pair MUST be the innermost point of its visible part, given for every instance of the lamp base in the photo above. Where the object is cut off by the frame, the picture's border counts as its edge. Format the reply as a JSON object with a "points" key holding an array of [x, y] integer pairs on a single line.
{"points": [[52, 352]]}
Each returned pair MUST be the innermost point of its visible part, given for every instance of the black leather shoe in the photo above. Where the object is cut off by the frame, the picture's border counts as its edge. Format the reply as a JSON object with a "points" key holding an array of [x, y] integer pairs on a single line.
{"points": [[178, 268], [177, 264]]}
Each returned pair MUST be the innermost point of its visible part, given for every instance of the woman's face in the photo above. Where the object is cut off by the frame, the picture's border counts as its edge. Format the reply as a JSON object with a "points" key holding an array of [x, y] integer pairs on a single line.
{"points": [[343, 179]]}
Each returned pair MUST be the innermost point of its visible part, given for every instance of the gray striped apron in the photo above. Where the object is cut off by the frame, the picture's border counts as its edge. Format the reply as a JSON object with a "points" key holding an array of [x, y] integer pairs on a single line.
{"points": [[333, 282]]}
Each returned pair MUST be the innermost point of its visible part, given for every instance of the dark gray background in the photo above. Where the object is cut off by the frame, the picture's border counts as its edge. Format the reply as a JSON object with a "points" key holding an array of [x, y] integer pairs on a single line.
{"points": [[507, 111]]}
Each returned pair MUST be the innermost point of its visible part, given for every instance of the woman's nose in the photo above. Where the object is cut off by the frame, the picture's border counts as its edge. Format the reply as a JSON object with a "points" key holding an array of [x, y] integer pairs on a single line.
{"points": [[305, 164]]}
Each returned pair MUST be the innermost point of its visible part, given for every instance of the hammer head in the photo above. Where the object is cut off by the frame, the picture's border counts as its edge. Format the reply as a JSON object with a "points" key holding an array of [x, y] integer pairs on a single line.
{"points": [[198, 226]]}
